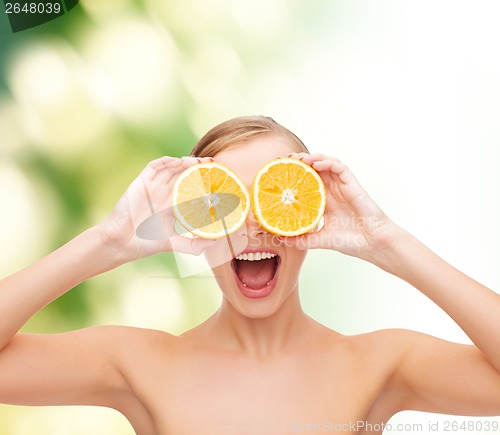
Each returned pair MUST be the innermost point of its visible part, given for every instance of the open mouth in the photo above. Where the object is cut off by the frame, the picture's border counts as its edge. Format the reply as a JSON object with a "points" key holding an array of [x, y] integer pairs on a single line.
{"points": [[256, 271]]}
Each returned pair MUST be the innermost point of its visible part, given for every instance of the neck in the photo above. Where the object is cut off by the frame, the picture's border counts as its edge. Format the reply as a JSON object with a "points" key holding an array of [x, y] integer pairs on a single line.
{"points": [[262, 337]]}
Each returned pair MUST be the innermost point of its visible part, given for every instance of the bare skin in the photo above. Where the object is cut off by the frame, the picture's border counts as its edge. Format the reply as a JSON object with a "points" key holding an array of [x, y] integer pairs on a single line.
{"points": [[256, 366]]}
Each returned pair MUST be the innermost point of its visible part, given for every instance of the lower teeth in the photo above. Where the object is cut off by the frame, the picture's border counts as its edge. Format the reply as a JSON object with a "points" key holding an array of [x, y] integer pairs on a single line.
{"points": [[244, 285]]}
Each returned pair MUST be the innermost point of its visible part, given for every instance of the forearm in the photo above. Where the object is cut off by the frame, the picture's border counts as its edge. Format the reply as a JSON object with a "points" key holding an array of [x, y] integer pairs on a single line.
{"points": [[29, 290], [474, 307]]}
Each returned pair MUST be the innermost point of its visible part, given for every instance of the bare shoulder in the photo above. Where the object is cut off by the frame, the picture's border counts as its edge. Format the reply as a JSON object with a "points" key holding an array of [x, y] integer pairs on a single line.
{"points": [[133, 345], [369, 341], [82, 367], [394, 345], [135, 335], [120, 340], [379, 355], [386, 349], [386, 344], [383, 348], [431, 374]]}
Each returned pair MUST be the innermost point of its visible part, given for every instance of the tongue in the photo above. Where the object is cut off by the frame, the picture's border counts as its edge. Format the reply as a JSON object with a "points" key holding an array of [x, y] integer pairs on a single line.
{"points": [[256, 274]]}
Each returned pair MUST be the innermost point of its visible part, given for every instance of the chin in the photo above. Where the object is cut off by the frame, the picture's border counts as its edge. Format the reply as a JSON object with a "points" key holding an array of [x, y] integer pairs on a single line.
{"points": [[255, 309], [257, 282], [264, 297]]}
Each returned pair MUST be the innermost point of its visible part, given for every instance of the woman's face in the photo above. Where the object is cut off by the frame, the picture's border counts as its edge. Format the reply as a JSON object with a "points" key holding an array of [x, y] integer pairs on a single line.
{"points": [[257, 288]]}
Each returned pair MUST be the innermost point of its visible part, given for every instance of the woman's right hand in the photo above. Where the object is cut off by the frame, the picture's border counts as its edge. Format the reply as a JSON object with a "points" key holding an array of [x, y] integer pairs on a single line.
{"points": [[149, 194]]}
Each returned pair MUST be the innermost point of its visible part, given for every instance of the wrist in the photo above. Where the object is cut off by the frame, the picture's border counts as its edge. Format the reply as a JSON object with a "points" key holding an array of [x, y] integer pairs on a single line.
{"points": [[95, 254], [392, 248]]}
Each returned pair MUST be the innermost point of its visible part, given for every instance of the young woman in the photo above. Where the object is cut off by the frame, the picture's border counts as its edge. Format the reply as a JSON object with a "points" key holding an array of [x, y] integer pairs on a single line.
{"points": [[259, 365]]}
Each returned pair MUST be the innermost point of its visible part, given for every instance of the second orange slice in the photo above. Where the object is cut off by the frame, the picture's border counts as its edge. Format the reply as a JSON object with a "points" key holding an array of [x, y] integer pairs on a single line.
{"points": [[288, 197]]}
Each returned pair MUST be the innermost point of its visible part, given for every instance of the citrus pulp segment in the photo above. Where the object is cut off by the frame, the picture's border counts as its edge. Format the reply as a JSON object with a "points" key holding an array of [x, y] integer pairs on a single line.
{"points": [[210, 201], [288, 197]]}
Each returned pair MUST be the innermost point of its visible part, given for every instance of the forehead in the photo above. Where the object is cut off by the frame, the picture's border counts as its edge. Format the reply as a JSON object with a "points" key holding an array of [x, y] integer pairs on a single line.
{"points": [[247, 157]]}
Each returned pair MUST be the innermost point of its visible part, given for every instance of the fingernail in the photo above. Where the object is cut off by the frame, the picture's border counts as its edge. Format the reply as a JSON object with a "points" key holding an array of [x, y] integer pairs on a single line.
{"points": [[211, 159], [290, 155]]}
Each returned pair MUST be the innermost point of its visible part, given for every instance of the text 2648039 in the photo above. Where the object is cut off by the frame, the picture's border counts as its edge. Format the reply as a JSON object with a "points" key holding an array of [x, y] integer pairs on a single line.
{"points": [[33, 8]]}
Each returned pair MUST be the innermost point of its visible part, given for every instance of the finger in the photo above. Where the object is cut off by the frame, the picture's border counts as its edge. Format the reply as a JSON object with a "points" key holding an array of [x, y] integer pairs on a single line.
{"points": [[147, 195], [156, 193], [164, 162], [154, 164], [137, 203], [299, 156], [171, 168], [309, 158], [188, 161], [156, 190], [187, 245], [200, 159], [167, 173], [159, 167], [335, 167], [205, 159], [171, 162]]}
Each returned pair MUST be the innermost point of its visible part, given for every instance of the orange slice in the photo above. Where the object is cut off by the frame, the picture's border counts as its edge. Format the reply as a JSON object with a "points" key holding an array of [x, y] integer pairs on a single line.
{"points": [[288, 197], [210, 201]]}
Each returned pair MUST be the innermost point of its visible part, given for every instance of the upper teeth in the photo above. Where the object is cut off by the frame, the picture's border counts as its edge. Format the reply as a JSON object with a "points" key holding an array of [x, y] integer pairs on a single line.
{"points": [[252, 256]]}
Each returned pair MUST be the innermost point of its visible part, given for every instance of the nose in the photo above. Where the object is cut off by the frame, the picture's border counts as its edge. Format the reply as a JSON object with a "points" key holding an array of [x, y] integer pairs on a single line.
{"points": [[253, 227]]}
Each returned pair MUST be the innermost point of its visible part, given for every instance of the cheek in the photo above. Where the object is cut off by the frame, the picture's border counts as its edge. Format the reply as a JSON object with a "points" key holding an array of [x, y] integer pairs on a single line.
{"points": [[295, 258]]}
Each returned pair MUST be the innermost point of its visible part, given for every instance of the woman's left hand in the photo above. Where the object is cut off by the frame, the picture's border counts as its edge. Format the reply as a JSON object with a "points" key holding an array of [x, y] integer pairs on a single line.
{"points": [[353, 223]]}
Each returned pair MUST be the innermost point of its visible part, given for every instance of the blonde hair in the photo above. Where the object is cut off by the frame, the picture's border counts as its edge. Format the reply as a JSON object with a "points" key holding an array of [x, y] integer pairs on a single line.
{"points": [[241, 129]]}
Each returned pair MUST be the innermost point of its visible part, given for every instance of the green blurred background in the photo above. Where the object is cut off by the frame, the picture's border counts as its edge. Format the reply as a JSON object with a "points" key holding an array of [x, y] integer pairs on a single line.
{"points": [[406, 93]]}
